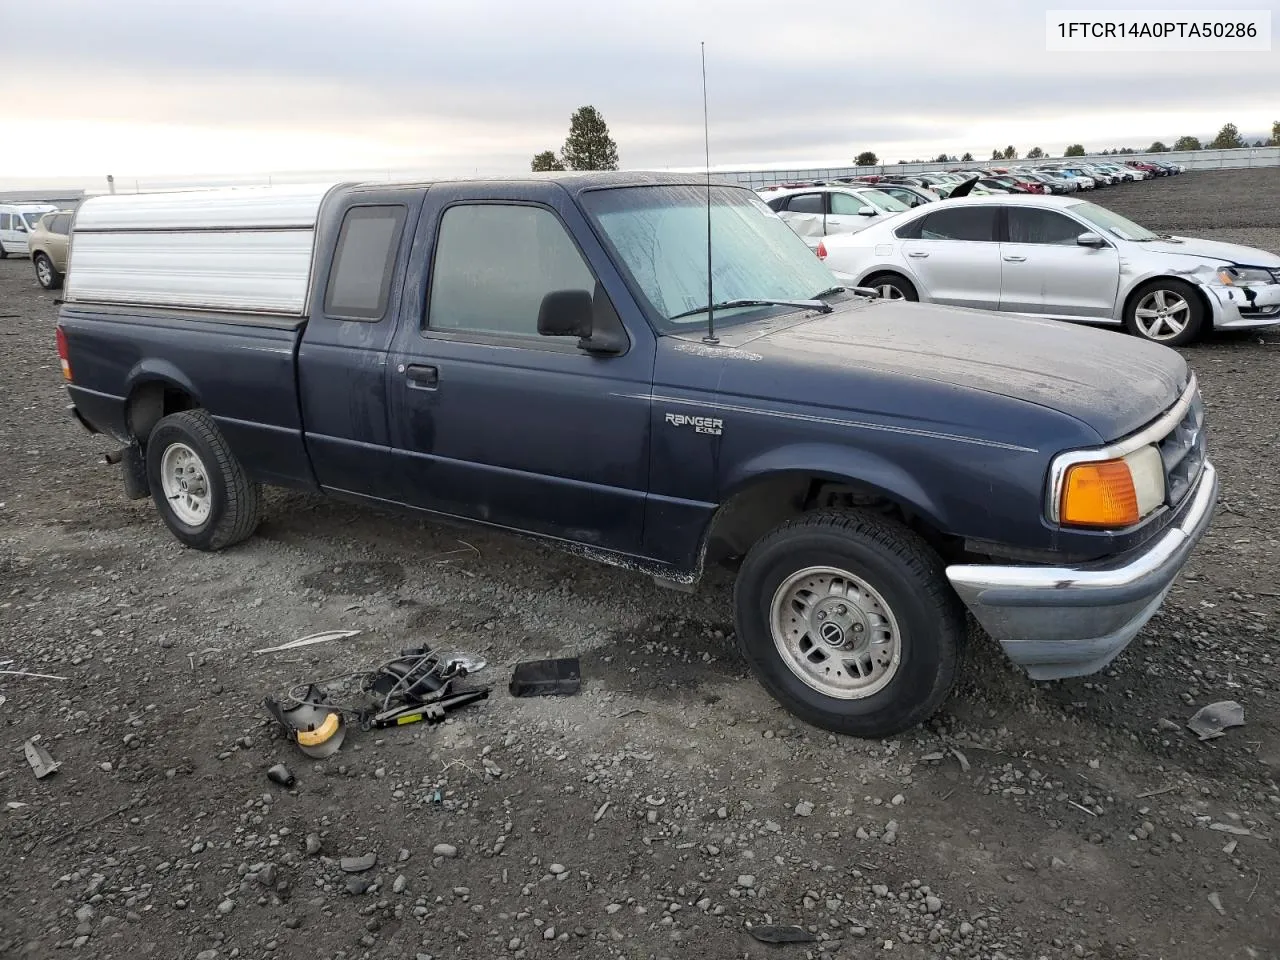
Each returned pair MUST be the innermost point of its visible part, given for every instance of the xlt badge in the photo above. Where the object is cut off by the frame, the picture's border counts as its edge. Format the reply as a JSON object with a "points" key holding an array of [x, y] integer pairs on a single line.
{"points": [[710, 425]]}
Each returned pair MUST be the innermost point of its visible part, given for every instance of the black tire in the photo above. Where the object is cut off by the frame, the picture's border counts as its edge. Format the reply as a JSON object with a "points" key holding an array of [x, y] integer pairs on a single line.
{"points": [[234, 500], [1171, 288], [54, 278], [910, 578], [895, 281], [3, 252]]}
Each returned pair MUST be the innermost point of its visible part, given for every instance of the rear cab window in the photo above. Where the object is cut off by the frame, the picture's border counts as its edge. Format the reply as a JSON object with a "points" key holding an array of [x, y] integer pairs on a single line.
{"points": [[359, 282]]}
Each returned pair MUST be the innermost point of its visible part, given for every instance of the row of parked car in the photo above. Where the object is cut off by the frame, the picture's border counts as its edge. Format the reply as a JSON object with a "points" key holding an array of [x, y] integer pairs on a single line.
{"points": [[1022, 250], [40, 232], [858, 202]]}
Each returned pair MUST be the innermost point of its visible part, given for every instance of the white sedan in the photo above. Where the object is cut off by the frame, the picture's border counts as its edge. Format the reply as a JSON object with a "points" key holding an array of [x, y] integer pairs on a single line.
{"points": [[828, 209], [1064, 259]]}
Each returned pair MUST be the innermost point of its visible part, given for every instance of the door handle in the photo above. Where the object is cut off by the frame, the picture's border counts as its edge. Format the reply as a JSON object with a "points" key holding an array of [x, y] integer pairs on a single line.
{"points": [[422, 376], [1012, 259], [918, 254]]}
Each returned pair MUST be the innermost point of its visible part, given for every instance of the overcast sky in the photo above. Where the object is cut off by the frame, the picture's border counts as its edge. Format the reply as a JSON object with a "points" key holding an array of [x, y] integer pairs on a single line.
{"points": [[166, 88]]}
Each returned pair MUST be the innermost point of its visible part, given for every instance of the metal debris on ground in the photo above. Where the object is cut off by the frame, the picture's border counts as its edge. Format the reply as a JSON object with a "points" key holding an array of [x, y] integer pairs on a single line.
{"points": [[545, 678], [34, 676], [41, 763], [777, 933], [314, 638], [281, 774], [1210, 722], [415, 686]]}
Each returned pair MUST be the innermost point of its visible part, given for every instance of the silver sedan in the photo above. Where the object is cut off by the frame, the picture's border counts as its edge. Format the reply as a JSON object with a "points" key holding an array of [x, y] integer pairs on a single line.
{"points": [[1064, 259]]}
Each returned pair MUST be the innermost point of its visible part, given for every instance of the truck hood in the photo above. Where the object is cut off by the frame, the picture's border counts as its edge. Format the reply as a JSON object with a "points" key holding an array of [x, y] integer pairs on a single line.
{"points": [[1113, 383], [1216, 250]]}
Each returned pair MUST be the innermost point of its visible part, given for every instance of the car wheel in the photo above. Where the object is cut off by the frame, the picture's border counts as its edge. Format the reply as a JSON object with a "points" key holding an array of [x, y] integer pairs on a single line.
{"points": [[847, 619], [3, 252], [1165, 311], [197, 483], [46, 274], [892, 286]]}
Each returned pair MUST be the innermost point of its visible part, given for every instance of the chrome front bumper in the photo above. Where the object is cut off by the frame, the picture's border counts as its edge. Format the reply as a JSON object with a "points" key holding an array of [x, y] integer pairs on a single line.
{"points": [[1072, 621]]}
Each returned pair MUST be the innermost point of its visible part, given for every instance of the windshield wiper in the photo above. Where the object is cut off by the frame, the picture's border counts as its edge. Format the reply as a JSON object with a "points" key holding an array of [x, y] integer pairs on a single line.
{"points": [[819, 305], [860, 291]]}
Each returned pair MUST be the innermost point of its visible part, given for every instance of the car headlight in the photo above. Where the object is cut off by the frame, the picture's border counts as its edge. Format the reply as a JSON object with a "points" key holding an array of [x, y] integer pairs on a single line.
{"points": [[1114, 492], [1243, 276]]}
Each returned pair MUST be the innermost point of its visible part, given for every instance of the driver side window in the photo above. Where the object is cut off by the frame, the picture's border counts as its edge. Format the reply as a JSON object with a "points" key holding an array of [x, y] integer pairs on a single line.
{"points": [[494, 263], [846, 204], [1029, 225]]}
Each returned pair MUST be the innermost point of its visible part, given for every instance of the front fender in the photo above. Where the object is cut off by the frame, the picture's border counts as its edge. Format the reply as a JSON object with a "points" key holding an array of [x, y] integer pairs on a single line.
{"points": [[837, 463], [1201, 276]]}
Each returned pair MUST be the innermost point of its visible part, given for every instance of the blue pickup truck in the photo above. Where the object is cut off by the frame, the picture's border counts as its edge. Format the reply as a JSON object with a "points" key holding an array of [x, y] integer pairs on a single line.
{"points": [[537, 355]]}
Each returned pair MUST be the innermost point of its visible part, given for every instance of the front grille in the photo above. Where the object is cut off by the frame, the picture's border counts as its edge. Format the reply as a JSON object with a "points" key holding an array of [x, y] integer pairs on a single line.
{"points": [[1183, 453]]}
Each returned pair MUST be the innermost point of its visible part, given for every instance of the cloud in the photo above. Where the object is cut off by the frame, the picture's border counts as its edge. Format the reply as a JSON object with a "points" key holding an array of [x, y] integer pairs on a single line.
{"points": [[457, 85]]}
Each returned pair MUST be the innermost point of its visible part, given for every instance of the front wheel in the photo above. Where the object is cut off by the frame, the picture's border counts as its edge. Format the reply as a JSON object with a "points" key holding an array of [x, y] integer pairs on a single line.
{"points": [[1166, 311], [892, 286], [847, 619], [47, 274], [197, 483]]}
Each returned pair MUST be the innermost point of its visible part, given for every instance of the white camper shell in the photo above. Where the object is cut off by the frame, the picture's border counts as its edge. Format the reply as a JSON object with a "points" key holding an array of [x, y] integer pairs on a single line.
{"points": [[242, 249]]}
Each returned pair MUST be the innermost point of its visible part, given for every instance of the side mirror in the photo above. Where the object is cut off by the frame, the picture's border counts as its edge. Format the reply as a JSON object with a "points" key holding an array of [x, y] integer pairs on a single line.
{"points": [[866, 211], [565, 313], [1090, 240], [20, 226]]}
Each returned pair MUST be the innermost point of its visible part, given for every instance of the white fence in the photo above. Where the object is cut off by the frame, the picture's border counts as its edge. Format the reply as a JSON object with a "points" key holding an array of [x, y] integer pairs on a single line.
{"points": [[1191, 159]]}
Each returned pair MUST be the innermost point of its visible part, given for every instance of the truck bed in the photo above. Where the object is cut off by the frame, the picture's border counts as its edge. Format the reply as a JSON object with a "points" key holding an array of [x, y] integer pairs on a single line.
{"points": [[241, 366]]}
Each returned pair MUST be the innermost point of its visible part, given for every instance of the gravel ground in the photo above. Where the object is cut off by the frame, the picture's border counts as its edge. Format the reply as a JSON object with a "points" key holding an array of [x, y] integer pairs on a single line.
{"points": [[662, 810]]}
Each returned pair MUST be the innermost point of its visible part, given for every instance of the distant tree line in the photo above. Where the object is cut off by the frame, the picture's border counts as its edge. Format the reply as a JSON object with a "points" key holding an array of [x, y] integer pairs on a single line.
{"points": [[1228, 138]]}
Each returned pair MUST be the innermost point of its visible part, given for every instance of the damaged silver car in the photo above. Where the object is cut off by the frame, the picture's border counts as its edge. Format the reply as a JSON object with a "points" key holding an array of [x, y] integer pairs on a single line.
{"points": [[1063, 259]]}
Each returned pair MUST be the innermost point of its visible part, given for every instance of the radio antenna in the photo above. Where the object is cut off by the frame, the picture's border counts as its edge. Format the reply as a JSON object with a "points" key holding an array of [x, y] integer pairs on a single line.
{"points": [[706, 139]]}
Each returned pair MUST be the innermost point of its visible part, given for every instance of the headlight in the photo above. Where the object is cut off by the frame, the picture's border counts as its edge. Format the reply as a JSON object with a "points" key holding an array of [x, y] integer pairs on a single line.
{"points": [[1116, 492], [1243, 276]]}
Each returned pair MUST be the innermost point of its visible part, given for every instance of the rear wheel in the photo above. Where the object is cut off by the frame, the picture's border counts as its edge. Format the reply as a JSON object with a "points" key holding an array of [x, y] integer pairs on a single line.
{"points": [[47, 274], [847, 619], [1166, 311], [892, 286], [197, 483], [3, 252]]}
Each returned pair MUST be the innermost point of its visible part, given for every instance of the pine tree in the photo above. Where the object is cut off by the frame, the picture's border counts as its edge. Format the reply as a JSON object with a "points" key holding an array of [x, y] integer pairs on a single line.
{"points": [[589, 146]]}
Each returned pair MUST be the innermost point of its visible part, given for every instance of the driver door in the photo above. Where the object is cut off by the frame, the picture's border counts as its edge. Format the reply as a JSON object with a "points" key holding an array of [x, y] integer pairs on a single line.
{"points": [[1045, 271], [493, 422], [846, 213]]}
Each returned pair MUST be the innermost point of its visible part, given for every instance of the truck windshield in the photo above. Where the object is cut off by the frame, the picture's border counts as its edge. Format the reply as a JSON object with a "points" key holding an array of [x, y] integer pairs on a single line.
{"points": [[659, 237]]}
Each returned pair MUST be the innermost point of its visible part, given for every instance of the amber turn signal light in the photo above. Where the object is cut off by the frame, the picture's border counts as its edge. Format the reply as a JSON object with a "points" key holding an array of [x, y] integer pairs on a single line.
{"points": [[1099, 494]]}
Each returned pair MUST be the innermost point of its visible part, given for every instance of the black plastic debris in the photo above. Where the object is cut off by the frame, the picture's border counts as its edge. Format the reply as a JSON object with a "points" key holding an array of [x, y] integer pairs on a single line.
{"points": [[773, 933], [280, 774], [546, 678]]}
